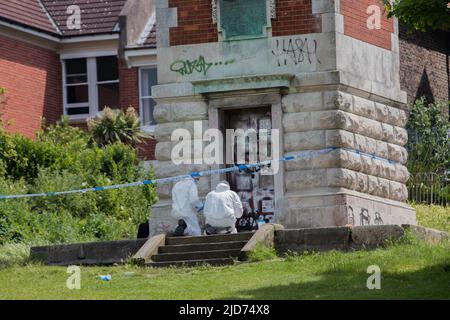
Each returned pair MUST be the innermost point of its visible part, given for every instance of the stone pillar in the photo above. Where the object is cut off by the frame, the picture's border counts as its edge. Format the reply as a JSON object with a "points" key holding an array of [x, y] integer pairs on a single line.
{"points": [[339, 87]]}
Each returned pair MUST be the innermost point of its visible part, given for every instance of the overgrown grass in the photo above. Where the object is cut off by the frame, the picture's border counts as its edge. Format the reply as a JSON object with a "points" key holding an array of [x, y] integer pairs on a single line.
{"points": [[408, 271], [262, 253], [14, 254], [435, 217]]}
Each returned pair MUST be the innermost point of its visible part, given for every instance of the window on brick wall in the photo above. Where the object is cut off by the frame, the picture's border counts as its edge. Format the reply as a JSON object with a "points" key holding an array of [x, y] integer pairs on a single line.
{"points": [[148, 79], [90, 84]]}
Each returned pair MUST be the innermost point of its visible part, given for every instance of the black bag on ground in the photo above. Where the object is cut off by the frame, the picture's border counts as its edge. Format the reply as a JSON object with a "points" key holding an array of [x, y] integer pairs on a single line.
{"points": [[144, 231]]}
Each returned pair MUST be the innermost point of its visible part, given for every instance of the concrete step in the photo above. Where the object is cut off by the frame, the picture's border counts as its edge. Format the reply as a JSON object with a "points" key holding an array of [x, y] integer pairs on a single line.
{"points": [[196, 255], [192, 263], [203, 247], [244, 236]]}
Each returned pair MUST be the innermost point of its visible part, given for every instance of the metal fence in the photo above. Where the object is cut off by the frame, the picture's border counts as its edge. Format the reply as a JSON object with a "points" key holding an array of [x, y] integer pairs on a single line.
{"points": [[430, 188]]}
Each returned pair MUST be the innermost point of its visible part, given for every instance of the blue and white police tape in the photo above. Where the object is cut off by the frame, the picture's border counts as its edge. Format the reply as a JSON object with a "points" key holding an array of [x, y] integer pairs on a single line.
{"points": [[303, 154]]}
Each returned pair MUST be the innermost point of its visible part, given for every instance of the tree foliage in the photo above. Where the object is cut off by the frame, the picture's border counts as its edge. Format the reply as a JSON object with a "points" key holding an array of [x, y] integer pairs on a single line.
{"points": [[420, 14], [428, 145], [62, 158]]}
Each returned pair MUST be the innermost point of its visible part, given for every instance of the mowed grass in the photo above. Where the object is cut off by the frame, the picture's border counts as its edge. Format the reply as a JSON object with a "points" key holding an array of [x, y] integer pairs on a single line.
{"points": [[408, 271]]}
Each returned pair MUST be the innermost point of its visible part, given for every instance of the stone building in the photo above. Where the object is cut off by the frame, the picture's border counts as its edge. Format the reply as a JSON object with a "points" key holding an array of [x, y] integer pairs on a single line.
{"points": [[318, 74]]}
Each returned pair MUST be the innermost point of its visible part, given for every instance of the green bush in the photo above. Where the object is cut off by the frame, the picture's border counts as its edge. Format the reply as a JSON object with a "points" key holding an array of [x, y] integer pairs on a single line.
{"points": [[61, 158], [428, 145]]}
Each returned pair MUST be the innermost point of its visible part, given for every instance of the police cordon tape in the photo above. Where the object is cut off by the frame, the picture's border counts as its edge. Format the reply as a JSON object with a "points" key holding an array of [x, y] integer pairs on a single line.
{"points": [[242, 167]]}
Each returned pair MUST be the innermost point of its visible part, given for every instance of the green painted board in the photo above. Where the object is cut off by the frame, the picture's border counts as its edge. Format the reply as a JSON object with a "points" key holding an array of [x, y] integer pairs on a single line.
{"points": [[243, 18]]}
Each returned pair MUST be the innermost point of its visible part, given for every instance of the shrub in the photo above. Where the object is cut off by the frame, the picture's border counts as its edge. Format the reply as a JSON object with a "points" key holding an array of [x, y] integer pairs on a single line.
{"points": [[428, 145], [61, 158], [114, 125]]}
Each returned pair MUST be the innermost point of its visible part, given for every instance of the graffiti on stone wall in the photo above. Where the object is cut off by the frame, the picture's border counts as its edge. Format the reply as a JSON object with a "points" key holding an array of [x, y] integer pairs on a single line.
{"points": [[295, 51], [365, 218], [199, 65]]}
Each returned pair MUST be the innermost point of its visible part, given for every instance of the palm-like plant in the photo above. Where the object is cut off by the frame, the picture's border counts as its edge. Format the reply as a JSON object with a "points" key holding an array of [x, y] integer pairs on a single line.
{"points": [[114, 125]]}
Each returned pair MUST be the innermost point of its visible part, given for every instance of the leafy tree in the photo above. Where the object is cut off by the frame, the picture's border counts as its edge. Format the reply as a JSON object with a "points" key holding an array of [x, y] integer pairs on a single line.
{"points": [[420, 14], [114, 125], [428, 145]]}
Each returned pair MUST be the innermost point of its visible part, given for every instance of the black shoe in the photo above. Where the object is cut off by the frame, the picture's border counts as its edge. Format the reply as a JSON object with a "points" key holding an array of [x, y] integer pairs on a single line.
{"points": [[179, 231]]}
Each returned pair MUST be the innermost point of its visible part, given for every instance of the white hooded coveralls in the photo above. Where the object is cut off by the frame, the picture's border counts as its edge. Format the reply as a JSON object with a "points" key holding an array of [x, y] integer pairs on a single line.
{"points": [[185, 198], [223, 207]]}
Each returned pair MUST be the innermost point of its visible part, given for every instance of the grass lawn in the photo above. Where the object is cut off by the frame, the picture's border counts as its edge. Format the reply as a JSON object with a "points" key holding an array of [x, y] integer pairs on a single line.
{"points": [[408, 271]]}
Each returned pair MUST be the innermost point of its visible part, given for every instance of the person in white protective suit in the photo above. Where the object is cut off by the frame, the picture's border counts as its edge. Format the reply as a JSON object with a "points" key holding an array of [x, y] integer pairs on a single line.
{"points": [[186, 205], [223, 207]]}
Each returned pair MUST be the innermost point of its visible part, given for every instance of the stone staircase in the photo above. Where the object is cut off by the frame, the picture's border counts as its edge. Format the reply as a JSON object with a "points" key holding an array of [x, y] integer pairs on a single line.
{"points": [[214, 250]]}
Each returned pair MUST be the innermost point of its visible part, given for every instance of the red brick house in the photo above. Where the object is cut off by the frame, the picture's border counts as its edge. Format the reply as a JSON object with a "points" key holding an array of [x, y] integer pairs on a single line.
{"points": [[51, 67], [52, 64]]}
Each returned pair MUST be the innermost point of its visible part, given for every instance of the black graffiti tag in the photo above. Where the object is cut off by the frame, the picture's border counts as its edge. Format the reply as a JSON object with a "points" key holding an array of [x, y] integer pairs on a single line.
{"points": [[185, 67], [297, 51]]}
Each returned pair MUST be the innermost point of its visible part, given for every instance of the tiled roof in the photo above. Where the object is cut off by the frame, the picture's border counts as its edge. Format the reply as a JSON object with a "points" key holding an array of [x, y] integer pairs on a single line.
{"points": [[97, 16], [28, 13], [151, 39]]}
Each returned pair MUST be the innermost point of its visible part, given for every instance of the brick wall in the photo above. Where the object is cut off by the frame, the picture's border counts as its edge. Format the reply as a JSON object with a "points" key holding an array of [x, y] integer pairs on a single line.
{"points": [[32, 78], [295, 17], [355, 23], [129, 86], [424, 64], [129, 97], [195, 21]]}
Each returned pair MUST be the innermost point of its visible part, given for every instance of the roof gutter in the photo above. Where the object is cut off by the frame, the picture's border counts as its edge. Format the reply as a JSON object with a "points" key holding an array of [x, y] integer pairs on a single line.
{"points": [[30, 30], [59, 39]]}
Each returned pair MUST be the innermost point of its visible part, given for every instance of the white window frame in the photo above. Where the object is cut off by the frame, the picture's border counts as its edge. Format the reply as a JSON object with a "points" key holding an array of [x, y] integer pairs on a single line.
{"points": [[145, 128], [91, 66]]}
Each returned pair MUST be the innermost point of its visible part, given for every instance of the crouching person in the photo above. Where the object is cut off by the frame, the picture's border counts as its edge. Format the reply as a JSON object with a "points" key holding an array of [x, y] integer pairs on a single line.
{"points": [[185, 207], [222, 209]]}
